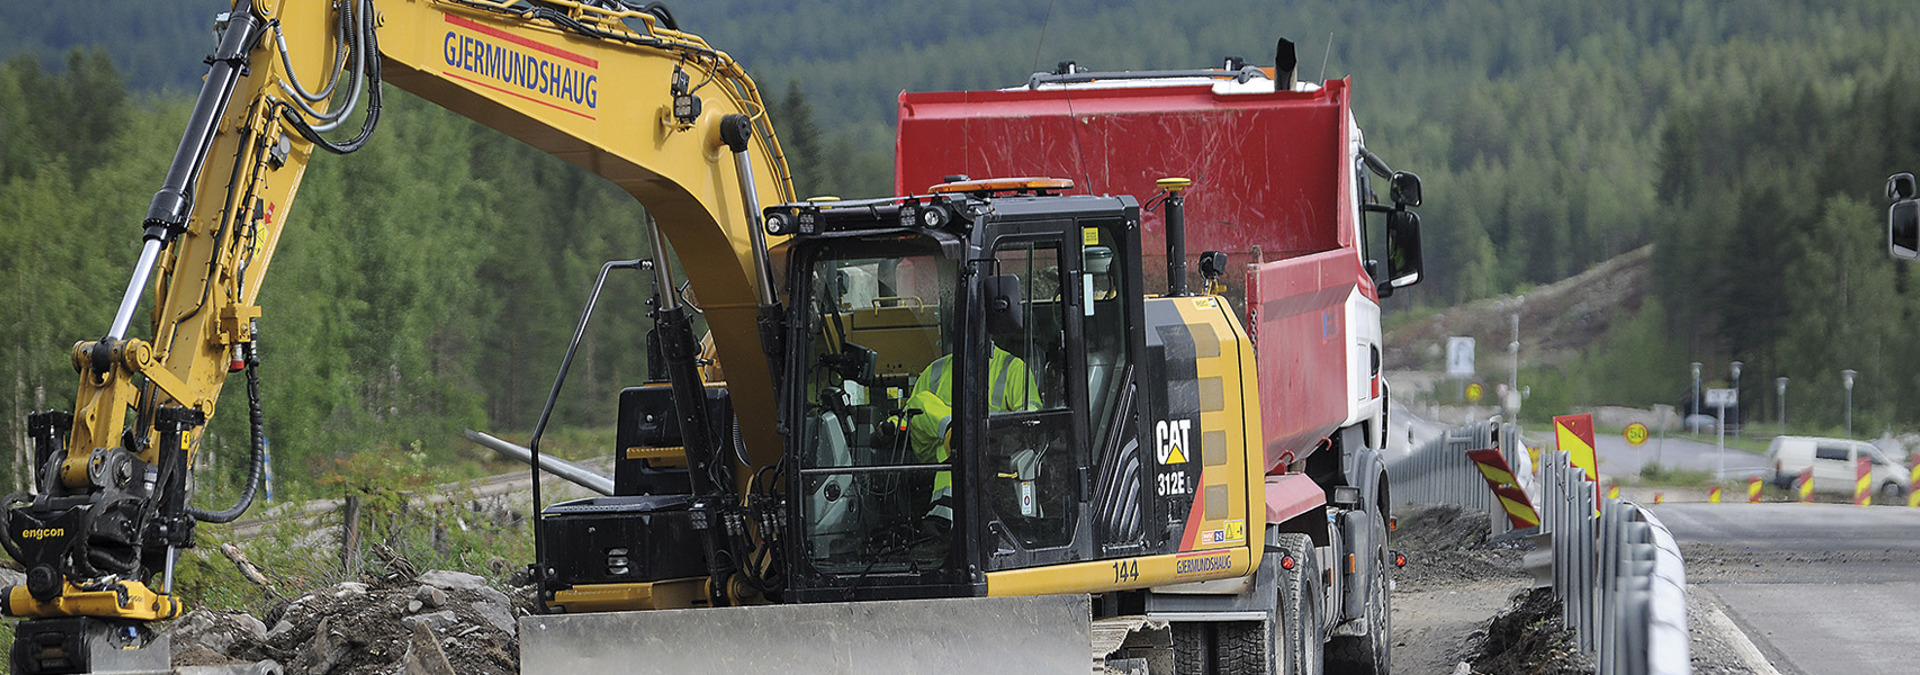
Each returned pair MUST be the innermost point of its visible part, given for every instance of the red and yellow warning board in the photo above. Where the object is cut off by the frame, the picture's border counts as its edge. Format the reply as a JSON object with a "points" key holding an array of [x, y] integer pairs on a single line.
{"points": [[1574, 433], [1913, 488], [1863, 481], [1500, 479], [1753, 490], [1805, 484], [1713, 496]]}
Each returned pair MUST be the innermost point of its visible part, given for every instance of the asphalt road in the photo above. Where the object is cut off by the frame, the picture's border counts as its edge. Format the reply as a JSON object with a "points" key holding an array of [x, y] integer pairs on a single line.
{"points": [[1621, 459], [1818, 588]]}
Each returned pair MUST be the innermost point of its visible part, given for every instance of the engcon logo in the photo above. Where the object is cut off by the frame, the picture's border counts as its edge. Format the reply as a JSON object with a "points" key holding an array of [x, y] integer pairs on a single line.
{"points": [[43, 533]]}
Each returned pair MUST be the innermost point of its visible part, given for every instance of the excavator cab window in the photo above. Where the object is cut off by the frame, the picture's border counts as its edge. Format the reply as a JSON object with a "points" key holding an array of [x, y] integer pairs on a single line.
{"points": [[877, 316]]}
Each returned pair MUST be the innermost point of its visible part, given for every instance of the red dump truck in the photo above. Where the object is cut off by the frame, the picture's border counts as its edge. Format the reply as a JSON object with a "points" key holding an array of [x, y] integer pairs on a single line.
{"points": [[1273, 178]]}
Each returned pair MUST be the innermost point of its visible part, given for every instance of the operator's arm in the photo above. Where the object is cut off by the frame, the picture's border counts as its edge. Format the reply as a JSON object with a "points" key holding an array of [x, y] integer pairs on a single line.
{"points": [[928, 428]]}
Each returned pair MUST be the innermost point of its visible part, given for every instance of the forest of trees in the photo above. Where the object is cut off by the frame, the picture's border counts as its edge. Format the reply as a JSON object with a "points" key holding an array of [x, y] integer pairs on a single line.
{"points": [[427, 283], [430, 282]]}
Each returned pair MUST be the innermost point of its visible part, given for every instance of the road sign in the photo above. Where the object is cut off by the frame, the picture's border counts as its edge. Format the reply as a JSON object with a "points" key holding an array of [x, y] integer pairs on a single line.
{"points": [[1473, 393], [1723, 398], [1636, 433], [1460, 357]]}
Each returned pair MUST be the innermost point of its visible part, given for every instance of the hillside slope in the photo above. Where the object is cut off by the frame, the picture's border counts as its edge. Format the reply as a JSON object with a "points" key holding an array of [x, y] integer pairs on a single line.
{"points": [[1558, 322]]}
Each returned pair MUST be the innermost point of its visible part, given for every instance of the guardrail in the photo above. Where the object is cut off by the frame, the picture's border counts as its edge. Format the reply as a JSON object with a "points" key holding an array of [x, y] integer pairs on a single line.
{"points": [[1439, 472], [1617, 572], [1616, 569]]}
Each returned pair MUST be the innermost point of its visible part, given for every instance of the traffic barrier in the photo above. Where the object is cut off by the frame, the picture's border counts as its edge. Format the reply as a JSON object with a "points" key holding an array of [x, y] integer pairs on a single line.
{"points": [[1713, 496], [1753, 490], [1619, 575], [1659, 498], [1805, 485], [1439, 471], [1863, 481], [1615, 568], [1613, 491]]}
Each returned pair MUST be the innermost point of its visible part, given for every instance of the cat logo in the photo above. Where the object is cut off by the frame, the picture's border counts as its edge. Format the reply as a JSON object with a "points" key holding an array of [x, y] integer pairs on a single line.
{"points": [[1170, 440]]}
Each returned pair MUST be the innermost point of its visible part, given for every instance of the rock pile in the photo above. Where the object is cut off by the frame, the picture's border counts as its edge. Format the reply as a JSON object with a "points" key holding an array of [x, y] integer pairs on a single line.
{"points": [[438, 623]]}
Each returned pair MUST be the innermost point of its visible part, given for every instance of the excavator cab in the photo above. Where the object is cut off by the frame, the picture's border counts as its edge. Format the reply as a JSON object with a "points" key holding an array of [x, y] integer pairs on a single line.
{"points": [[949, 360]]}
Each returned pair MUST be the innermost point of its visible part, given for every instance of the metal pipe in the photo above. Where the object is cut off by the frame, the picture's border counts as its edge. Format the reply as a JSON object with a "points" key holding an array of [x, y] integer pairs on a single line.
{"points": [[735, 130], [1176, 235], [149, 253], [662, 267], [574, 473]]}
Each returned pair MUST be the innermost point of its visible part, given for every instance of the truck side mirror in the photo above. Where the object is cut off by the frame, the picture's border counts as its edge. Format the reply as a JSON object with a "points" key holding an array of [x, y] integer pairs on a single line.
{"points": [[1403, 247], [1903, 229], [1900, 186], [1405, 190], [1005, 305]]}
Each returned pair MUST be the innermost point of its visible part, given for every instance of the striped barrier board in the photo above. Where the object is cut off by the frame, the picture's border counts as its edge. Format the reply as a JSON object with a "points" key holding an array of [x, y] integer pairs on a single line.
{"points": [[1659, 498], [1713, 496], [1913, 488], [1613, 491], [1753, 490], [1863, 481], [1805, 485], [1493, 467]]}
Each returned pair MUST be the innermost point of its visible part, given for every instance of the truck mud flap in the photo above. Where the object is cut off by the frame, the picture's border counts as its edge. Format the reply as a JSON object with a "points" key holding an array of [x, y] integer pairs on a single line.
{"points": [[1040, 634]]}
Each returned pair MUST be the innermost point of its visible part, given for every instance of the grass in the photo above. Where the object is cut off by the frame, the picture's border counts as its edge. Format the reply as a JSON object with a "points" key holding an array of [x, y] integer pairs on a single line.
{"points": [[1661, 476], [298, 557]]}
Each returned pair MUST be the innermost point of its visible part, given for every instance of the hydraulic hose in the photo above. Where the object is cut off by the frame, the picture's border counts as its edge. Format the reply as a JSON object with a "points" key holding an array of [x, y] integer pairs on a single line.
{"points": [[257, 466], [371, 43]]}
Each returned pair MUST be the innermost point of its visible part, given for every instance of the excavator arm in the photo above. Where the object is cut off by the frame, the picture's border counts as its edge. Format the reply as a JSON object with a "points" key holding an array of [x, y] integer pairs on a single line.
{"points": [[612, 87]]}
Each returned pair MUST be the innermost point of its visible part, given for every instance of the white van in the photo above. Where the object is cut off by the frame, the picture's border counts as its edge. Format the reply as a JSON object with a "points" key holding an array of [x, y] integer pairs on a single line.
{"points": [[1834, 471]]}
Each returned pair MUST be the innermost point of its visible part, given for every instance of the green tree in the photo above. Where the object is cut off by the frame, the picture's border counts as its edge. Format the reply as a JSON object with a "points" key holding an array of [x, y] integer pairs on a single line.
{"points": [[1841, 293]]}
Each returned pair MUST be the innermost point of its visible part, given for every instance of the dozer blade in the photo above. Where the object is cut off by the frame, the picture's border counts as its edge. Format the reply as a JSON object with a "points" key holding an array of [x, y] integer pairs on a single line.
{"points": [[1040, 634]]}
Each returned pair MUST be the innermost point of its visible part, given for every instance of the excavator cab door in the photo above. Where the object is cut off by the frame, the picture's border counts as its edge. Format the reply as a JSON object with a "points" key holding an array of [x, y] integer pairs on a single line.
{"points": [[1029, 376]]}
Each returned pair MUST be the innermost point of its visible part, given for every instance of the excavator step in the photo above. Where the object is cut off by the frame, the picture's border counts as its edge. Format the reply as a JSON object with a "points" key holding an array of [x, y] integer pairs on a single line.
{"points": [[1041, 634]]}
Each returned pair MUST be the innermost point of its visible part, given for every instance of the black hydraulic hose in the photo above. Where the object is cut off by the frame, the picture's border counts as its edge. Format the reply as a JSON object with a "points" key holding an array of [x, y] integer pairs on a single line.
{"points": [[257, 466], [368, 41]]}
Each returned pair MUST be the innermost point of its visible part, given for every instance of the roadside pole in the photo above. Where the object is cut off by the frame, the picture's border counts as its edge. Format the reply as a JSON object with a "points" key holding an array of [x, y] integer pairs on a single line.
{"points": [[1721, 399]]}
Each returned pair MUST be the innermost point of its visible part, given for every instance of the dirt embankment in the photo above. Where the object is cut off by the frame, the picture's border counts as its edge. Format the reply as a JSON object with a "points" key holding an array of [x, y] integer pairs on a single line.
{"points": [[1463, 605]]}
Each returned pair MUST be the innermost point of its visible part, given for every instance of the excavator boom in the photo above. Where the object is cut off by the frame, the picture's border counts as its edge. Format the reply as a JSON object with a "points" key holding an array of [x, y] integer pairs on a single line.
{"points": [[614, 88]]}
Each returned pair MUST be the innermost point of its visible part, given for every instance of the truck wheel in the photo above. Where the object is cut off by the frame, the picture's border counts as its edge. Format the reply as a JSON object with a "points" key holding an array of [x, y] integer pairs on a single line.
{"points": [[1193, 648], [1292, 644], [1891, 494], [1297, 646], [1369, 654]]}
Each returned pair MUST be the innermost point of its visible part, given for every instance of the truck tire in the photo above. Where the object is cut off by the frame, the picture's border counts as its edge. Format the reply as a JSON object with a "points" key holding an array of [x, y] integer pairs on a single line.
{"points": [[1890, 494], [1240, 648], [1193, 648], [1297, 646], [1369, 654], [1291, 643]]}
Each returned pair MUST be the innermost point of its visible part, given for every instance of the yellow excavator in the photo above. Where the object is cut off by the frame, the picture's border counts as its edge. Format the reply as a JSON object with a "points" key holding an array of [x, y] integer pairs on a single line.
{"points": [[970, 428], [613, 87]]}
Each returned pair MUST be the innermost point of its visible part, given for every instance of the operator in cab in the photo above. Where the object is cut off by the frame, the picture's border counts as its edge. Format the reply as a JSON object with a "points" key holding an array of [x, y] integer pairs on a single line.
{"points": [[930, 430]]}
